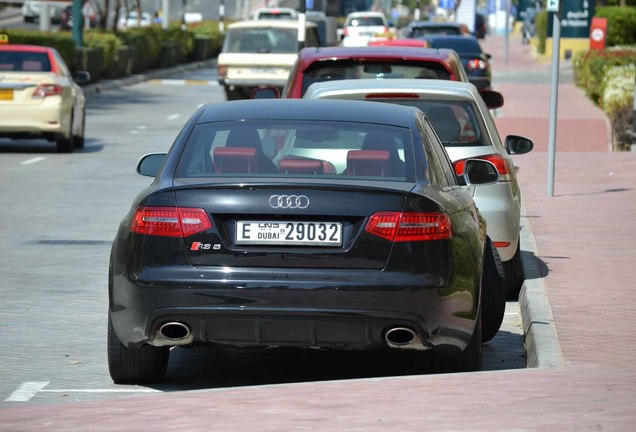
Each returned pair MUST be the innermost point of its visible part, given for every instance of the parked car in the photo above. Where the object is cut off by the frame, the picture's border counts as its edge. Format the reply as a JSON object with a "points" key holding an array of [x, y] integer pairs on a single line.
{"points": [[133, 19], [89, 11], [480, 26], [352, 232], [420, 29], [336, 63], [39, 97], [362, 27], [465, 126], [474, 59], [31, 10], [275, 13], [260, 53]]}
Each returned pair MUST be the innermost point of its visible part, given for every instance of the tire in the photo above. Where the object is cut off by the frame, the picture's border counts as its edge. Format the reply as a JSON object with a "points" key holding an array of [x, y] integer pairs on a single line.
{"points": [[78, 140], [146, 364], [469, 360], [65, 143], [514, 275], [233, 94], [493, 295]]}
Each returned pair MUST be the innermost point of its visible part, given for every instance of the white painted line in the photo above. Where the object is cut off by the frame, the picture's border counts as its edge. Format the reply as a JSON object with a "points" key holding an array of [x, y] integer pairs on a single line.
{"points": [[141, 390], [134, 131], [142, 127], [173, 117], [26, 391], [173, 82], [32, 161]]}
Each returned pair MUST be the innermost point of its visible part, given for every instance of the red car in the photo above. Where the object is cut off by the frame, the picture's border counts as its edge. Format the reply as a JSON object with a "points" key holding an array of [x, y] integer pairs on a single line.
{"points": [[382, 62]]}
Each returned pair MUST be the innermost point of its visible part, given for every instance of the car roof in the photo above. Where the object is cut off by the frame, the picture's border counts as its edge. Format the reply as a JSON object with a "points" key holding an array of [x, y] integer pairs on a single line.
{"points": [[312, 110], [434, 24], [25, 48], [279, 23], [367, 13], [389, 52], [450, 89]]}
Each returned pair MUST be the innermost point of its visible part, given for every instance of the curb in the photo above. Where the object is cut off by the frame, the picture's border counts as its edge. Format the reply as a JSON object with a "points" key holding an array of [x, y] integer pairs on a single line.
{"points": [[542, 344], [148, 75]]}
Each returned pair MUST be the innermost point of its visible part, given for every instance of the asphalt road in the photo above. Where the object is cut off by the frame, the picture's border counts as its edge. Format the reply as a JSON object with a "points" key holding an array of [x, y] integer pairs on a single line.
{"points": [[59, 214]]}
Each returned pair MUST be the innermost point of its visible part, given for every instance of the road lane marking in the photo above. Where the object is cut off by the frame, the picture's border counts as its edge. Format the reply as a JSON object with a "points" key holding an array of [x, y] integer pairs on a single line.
{"points": [[181, 82], [173, 117], [33, 160], [26, 391]]}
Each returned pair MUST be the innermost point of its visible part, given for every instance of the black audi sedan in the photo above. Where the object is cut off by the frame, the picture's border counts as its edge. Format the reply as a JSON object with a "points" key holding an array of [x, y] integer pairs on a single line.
{"points": [[300, 223]]}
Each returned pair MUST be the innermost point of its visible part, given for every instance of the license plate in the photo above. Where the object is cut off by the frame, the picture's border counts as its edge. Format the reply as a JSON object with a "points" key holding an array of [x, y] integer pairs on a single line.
{"points": [[289, 233], [6, 94]]}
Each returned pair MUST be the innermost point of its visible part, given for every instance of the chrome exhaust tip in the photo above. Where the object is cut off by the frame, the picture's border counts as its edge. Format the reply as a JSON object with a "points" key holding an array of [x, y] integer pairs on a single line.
{"points": [[174, 331], [400, 336]]}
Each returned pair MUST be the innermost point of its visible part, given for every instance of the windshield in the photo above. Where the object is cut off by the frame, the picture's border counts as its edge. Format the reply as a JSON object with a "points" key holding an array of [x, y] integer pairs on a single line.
{"points": [[261, 40], [419, 32], [306, 149], [24, 61], [457, 123], [352, 69], [366, 22], [460, 45]]}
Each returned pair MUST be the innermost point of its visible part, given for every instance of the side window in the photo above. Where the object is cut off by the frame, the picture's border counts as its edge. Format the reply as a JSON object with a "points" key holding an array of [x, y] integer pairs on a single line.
{"points": [[60, 63], [442, 171]]}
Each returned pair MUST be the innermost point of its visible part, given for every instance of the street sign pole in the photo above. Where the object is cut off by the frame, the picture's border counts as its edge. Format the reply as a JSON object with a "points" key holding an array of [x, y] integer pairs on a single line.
{"points": [[553, 6], [222, 16], [506, 32], [77, 31], [302, 10]]}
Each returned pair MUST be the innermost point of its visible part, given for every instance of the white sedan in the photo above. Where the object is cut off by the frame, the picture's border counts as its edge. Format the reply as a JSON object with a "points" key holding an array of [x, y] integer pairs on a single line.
{"points": [[39, 97], [463, 123]]}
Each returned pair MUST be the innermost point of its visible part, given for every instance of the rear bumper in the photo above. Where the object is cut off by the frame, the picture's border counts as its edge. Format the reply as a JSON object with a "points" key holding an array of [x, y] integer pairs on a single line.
{"points": [[335, 309], [252, 83], [46, 118]]}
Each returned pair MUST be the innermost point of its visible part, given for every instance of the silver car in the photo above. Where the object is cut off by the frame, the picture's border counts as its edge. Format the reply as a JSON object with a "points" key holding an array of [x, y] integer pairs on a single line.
{"points": [[464, 124]]}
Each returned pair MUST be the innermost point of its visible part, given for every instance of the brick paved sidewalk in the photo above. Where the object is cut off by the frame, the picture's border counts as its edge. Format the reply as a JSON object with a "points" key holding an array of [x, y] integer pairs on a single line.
{"points": [[585, 246]]}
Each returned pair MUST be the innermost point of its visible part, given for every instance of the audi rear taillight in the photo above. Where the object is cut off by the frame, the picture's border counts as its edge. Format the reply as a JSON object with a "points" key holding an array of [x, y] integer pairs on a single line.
{"points": [[409, 226], [476, 64], [44, 90], [497, 160], [170, 221]]}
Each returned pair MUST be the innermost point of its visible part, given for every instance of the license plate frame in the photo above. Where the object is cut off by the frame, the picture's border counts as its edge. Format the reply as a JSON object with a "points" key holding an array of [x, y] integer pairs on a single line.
{"points": [[289, 233]]}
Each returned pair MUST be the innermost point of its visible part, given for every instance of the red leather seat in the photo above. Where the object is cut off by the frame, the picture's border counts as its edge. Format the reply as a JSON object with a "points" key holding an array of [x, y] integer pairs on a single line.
{"points": [[235, 160], [373, 163], [301, 166]]}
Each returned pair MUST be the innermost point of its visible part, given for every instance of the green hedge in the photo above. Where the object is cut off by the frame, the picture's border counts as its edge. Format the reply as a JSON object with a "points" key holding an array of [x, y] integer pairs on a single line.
{"points": [[621, 24], [590, 67], [109, 44], [618, 102]]}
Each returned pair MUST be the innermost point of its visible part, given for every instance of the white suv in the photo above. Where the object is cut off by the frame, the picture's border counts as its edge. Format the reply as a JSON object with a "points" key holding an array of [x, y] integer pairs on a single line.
{"points": [[260, 53]]}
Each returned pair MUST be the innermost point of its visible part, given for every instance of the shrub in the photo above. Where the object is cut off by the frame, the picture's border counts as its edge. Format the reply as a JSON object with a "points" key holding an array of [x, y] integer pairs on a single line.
{"points": [[541, 26], [592, 66], [61, 41], [621, 24], [618, 102], [110, 44]]}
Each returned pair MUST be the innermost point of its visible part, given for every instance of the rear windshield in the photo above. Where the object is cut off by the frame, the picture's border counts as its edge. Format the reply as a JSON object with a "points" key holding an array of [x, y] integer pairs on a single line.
{"points": [[419, 32], [352, 69], [22, 61], [261, 40], [363, 21], [457, 123], [304, 149], [274, 15], [461, 45]]}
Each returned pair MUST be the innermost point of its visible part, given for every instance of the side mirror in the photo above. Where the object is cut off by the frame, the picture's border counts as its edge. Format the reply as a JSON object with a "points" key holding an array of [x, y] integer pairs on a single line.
{"points": [[518, 145], [479, 172], [150, 164], [265, 93], [82, 77], [493, 99]]}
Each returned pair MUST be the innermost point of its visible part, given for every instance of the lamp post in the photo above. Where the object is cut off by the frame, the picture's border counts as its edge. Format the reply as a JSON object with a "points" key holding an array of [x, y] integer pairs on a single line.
{"points": [[302, 10]]}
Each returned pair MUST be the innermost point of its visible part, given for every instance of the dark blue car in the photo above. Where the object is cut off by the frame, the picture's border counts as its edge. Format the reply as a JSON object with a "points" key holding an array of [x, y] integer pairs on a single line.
{"points": [[475, 61]]}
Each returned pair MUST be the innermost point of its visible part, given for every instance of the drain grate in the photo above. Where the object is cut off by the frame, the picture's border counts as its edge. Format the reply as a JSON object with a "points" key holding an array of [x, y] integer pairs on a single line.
{"points": [[74, 242]]}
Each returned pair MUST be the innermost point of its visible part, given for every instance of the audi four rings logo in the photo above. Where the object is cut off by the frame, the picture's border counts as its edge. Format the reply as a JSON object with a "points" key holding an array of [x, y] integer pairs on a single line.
{"points": [[288, 201]]}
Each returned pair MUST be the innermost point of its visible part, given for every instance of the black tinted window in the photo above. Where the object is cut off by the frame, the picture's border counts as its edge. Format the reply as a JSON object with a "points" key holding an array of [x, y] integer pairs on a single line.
{"points": [[461, 45], [22, 61], [339, 70]]}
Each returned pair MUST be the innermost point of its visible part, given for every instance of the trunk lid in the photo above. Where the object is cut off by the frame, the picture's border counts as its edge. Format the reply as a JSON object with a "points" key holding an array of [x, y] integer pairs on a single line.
{"points": [[303, 226]]}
